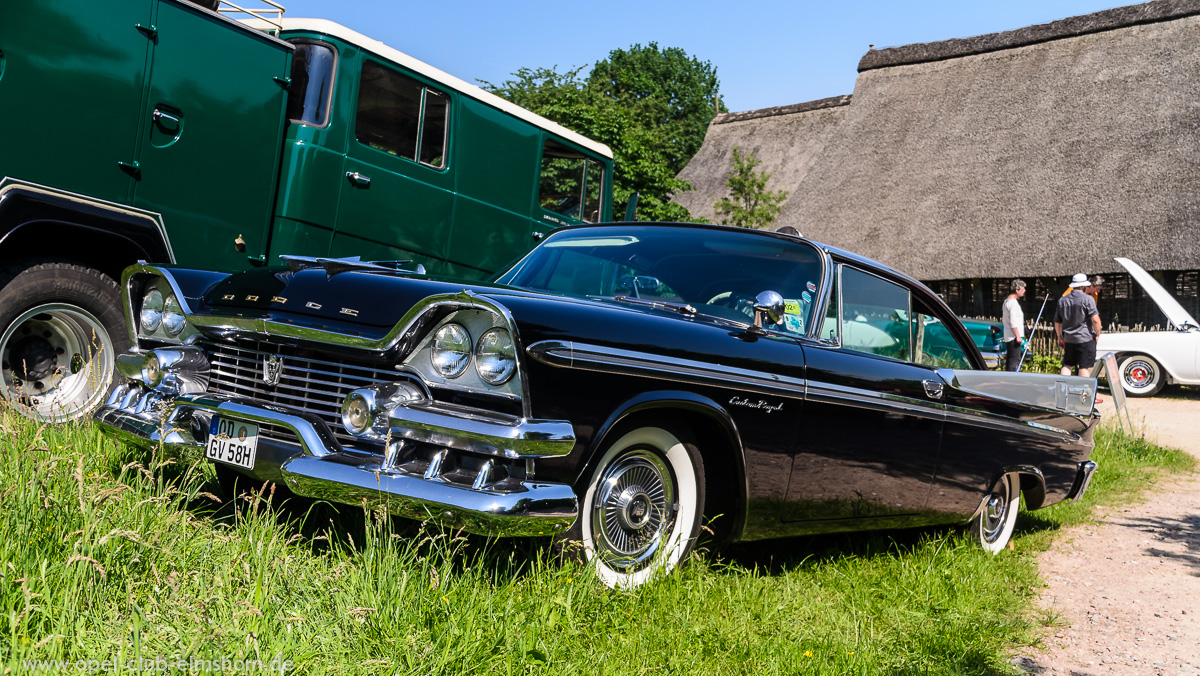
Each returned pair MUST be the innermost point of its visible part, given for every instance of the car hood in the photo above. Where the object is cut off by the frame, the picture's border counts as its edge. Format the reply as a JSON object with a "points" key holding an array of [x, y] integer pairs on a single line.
{"points": [[1169, 306], [369, 305]]}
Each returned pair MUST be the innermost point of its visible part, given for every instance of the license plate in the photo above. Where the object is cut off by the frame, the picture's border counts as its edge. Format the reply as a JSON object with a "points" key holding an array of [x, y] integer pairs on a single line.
{"points": [[233, 442]]}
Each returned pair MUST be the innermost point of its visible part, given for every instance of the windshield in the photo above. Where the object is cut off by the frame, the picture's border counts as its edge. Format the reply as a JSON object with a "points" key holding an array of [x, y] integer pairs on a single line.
{"points": [[717, 272]]}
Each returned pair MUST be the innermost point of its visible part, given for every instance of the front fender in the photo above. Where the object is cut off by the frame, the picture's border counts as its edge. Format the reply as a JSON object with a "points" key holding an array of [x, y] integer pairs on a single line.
{"points": [[688, 403]]}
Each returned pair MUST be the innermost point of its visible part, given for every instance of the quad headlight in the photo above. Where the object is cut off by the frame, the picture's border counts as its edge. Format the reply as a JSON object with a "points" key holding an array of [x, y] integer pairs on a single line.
{"points": [[152, 311], [495, 357], [172, 316], [451, 350]]}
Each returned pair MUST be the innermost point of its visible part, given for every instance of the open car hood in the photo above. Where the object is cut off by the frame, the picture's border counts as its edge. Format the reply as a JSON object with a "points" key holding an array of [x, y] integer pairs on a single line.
{"points": [[1167, 303]]}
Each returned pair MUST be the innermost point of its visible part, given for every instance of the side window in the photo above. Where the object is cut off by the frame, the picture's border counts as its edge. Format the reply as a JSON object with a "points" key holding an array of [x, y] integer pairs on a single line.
{"points": [[933, 344], [571, 183], [402, 117], [875, 315], [829, 328], [311, 90]]}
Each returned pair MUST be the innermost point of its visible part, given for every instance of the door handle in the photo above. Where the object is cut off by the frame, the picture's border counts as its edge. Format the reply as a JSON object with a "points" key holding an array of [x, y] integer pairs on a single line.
{"points": [[359, 179], [537, 236], [160, 116], [933, 389]]}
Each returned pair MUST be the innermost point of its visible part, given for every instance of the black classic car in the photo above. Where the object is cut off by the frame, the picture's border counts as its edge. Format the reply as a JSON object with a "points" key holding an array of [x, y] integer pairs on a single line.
{"points": [[620, 386]]}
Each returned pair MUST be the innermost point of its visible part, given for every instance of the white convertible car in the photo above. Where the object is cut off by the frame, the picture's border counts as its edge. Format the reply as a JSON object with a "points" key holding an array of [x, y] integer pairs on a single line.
{"points": [[1147, 360]]}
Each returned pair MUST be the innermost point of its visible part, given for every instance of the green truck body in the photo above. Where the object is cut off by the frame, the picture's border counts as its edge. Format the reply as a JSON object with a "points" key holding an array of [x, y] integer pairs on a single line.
{"points": [[170, 131]]}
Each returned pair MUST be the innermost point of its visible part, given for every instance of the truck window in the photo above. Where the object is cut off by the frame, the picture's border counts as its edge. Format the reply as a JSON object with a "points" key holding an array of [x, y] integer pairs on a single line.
{"points": [[398, 115], [311, 90], [571, 183]]}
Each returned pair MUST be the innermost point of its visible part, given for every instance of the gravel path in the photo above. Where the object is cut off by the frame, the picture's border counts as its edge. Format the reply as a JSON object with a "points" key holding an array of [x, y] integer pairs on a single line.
{"points": [[1127, 589]]}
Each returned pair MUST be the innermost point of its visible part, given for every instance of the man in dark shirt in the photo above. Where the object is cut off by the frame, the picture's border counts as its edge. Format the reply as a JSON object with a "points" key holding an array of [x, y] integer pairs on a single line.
{"points": [[1077, 324]]}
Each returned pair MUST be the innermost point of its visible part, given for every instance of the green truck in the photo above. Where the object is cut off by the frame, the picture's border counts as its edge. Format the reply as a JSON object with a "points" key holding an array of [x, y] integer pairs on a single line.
{"points": [[215, 136]]}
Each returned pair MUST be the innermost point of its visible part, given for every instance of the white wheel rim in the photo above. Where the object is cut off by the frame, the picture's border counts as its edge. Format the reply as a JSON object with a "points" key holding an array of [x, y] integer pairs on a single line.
{"points": [[74, 362]]}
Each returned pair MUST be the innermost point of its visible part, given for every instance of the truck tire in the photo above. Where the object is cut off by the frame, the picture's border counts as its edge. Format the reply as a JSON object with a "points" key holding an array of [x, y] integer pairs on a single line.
{"points": [[61, 328]]}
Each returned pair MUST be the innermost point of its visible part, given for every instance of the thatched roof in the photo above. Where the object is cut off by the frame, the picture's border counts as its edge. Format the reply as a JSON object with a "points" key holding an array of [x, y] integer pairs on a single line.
{"points": [[1038, 152]]}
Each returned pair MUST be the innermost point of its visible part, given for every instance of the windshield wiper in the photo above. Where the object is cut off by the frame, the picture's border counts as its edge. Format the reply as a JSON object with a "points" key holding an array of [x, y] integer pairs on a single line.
{"points": [[333, 266], [681, 308]]}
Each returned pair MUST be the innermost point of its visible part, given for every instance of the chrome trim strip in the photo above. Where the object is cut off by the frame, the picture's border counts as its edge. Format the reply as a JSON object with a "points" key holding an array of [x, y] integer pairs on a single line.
{"points": [[566, 354], [829, 393], [490, 434]]}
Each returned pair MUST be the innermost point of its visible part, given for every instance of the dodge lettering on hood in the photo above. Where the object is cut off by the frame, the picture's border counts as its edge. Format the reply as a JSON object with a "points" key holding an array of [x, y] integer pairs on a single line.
{"points": [[625, 386]]}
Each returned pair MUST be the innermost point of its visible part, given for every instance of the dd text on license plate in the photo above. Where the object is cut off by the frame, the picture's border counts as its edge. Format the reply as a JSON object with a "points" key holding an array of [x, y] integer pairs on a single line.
{"points": [[233, 441]]}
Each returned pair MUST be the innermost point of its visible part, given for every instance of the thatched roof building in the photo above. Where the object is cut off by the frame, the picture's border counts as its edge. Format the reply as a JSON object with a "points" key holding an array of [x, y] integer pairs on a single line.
{"points": [[1038, 152]]}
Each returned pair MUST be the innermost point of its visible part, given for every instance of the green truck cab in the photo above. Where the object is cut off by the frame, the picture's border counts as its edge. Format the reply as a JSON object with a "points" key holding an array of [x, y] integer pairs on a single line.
{"points": [[190, 132]]}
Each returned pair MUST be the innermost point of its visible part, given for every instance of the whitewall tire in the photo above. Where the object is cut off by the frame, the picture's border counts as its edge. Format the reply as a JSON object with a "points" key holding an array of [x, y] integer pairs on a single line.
{"points": [[997, 517], [641, 509], [1141, 376]]}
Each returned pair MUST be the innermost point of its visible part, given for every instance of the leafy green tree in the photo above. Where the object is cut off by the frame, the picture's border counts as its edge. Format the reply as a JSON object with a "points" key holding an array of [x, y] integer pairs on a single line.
{"points": [[752, 205], [667, 90], [650, 106]]}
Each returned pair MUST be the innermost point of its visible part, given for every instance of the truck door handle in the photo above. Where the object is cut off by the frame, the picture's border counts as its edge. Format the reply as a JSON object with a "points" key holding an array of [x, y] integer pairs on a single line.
{"points": [[359, 179], [933, 389], [161, 116]]}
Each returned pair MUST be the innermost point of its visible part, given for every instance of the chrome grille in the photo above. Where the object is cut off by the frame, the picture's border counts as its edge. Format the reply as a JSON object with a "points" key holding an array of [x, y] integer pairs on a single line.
{"points": [[306, 383]]}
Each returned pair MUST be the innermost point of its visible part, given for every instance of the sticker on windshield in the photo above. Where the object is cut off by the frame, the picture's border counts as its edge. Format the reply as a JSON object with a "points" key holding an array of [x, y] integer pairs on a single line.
{"points": [[812, 287], [791, 306]]}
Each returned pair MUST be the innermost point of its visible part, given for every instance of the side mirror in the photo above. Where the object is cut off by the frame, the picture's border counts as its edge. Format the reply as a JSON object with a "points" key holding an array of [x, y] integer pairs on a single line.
{"points": [[767, 305]]}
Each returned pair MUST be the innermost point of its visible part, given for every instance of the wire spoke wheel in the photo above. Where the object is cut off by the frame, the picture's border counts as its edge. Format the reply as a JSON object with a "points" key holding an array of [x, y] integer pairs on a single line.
{"points": [[634, 509], [641, 508]]}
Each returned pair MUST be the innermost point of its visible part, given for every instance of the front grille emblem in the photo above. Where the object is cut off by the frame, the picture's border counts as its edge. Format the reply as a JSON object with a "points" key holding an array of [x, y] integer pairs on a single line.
{"points": [[272, 369]]}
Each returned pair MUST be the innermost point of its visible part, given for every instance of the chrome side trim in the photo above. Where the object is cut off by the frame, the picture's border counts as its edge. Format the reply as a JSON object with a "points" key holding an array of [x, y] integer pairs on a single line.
{"points": [[490, 434], [871, 400], [999, 423], [565, 354]]}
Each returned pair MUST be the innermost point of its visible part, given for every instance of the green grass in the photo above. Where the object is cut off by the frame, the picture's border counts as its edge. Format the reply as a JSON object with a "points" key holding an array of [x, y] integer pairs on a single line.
{"points": [[107, 554]]}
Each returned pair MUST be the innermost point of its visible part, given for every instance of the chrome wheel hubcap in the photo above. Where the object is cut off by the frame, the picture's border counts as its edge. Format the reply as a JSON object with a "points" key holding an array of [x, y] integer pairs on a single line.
{"points": [[995, 511], [57, 362], [1139, 374], [633, 509]]}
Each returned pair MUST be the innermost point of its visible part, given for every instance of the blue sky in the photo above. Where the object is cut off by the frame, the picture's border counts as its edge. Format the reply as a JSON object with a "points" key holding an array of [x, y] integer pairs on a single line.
{"points": [[767, 52]]}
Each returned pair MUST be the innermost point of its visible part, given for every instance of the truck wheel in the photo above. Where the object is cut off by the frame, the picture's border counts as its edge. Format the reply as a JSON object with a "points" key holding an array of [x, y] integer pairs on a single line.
{"points": [[61, 328]]}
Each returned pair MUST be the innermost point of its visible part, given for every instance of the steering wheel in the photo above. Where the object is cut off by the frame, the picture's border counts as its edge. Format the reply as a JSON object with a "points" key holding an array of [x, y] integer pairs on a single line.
{"points": [[734, 300]]}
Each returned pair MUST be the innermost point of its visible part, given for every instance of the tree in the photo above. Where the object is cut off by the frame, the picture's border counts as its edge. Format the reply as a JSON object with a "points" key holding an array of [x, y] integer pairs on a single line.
{"points": [[667, 90], [752, 205], [650, 106]]}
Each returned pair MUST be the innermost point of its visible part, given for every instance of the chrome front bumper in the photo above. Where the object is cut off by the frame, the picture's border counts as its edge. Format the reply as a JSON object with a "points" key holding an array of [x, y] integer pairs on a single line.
{"points": [[316, 465]]}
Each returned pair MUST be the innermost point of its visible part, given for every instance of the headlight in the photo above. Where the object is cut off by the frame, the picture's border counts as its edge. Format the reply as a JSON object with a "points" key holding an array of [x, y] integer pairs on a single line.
{"points": [[172, 316], [451, 350], [495, 358], [152, 307]]}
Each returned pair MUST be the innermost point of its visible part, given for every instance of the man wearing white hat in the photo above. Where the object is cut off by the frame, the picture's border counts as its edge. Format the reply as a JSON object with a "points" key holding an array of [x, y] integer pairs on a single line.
{"points": [[1077, 324]]}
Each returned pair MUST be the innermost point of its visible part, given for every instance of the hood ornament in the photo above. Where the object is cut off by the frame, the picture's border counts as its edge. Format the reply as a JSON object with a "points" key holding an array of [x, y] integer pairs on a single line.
{"points": [[272, 369]]}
